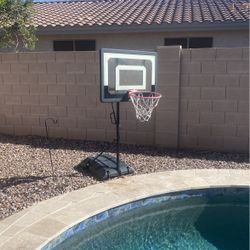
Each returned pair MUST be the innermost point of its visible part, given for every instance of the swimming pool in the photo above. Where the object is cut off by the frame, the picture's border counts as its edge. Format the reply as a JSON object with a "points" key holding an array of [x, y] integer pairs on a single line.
{"points": [[214, 218]]}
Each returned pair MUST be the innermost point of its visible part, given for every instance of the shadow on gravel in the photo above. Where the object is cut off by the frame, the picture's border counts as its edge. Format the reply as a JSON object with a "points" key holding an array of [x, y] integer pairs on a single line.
{"points": [[17, 180], [14, 181], [96, 147]]}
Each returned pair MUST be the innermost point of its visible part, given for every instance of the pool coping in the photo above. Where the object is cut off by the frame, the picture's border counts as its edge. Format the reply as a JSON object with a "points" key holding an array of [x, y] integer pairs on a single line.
{"points": [[35, 226]]}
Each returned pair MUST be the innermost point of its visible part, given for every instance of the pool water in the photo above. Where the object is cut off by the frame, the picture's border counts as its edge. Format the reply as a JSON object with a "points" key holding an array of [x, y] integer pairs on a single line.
{"points": [[219, 222]]}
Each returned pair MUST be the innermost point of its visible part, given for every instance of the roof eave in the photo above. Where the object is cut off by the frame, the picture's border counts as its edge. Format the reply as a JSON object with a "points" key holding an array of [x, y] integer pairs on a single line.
{"points": [[174, 27]]}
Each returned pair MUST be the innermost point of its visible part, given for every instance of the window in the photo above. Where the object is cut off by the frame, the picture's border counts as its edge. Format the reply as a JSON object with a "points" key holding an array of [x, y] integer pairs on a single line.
{"points": [[192, 42], [201, 42], [76, 45], [63, 46], [176, 41], [85, 45]]}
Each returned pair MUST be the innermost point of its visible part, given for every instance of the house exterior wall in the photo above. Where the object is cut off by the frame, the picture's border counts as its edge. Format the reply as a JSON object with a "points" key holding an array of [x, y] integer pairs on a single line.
{"points": [[148, 41], [205, 103]]}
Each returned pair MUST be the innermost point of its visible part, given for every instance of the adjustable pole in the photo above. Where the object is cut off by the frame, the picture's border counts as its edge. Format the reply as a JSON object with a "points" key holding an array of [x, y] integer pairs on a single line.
{"points": [[104, 166], [118, 137]]}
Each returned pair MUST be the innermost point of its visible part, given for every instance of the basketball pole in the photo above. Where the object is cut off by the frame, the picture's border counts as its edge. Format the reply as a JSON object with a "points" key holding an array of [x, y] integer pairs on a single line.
{"points": [[105, 166], [118, 137]]}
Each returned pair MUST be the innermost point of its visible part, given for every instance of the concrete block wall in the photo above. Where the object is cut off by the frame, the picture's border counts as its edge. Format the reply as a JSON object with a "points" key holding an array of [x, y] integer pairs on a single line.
{"points": [[35, 86], [64, 86], [205, 103], [167, 113], [216, 97]]}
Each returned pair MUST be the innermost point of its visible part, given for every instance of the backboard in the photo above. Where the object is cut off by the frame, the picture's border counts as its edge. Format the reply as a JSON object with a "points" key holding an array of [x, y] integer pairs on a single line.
{"points": [[123, 70]]}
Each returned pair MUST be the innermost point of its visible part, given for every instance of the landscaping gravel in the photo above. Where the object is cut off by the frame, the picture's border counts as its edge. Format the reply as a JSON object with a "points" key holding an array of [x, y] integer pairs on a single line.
{"points": [[26, 176]]}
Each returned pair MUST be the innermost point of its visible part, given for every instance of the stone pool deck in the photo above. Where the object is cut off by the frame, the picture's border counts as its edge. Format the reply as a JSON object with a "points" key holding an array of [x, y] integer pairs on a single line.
{"points": [[32, 228]]}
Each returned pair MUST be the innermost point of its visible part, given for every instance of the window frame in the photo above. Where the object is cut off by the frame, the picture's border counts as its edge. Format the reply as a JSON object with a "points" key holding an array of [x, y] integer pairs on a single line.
{"points": [[212, 42], [177, 38], [74, 44], [188, 41], [58, 41]]}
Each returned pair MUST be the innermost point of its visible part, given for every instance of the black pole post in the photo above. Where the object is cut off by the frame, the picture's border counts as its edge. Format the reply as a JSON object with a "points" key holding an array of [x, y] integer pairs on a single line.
{"points": [[118, 137]]}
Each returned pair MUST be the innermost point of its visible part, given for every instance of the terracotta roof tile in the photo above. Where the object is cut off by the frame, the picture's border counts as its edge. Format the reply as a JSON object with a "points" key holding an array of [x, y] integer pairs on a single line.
{"points": [[128, 12]]}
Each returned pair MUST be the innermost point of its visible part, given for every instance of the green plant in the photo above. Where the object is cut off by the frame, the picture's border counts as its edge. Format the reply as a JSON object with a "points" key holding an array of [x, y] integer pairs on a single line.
{"points": [[16, 28]]}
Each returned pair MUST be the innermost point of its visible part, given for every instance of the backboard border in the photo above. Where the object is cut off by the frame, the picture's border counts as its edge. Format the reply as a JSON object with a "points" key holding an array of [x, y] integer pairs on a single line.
{"points": [[104, 95]]}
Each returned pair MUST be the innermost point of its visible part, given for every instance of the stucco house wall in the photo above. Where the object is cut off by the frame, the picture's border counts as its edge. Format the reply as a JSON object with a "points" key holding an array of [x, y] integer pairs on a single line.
{"points": [[148, 40]]}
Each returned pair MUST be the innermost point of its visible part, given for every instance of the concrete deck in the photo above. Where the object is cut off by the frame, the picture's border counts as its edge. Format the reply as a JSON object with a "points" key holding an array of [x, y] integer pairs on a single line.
{"points": [[37, 225]]}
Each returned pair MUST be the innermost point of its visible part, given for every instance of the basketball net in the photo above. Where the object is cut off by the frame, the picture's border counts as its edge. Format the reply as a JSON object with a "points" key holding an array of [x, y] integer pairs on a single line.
{"points": [[144, 103]]}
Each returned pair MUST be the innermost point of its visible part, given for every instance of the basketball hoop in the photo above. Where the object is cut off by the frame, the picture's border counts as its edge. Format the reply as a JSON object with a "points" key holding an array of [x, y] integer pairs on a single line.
{"points": [[124, 74], [144, 103]]}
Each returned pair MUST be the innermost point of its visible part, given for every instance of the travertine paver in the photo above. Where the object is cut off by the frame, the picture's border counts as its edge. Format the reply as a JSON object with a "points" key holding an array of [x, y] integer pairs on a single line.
{"points": [[24, 241], [37, 225]]}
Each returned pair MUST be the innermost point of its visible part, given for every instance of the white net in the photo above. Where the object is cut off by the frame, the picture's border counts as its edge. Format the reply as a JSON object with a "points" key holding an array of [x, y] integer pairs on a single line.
{"points": [[144, 104]]}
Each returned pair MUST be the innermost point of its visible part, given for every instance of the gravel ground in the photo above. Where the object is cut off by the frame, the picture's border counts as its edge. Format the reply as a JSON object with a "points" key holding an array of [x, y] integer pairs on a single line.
{"points": [[25, 170]]}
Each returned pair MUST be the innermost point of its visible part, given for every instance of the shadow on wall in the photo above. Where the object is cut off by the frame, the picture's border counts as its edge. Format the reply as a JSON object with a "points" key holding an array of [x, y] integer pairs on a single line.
{"points": [[96, 147]]}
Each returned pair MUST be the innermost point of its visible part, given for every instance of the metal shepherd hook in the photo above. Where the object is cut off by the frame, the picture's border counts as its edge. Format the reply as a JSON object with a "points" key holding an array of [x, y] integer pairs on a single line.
{"points": [[47, 136]]}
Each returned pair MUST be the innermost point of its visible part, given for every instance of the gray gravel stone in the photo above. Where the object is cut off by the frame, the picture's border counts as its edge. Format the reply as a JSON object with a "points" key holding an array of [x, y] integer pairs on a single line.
{"points": [[26, 177]]}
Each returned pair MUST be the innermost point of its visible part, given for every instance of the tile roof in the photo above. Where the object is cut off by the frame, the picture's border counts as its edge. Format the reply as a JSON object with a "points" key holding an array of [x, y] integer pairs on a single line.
{"points": [[138, 12]]}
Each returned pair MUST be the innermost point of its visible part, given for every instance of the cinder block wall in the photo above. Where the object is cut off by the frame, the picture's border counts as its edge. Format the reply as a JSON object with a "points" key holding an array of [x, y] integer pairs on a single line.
{"points": [[35, 86], [64, 86], [205, 100], [215, 99]]}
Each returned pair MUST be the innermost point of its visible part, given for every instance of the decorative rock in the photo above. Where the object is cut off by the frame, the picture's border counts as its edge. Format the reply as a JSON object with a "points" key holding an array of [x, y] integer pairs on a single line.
{"points": [[26, 176]]}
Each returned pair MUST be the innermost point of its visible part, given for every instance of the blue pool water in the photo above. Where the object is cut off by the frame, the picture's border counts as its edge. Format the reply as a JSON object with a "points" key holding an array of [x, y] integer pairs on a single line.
{"points": [[217, 220]]}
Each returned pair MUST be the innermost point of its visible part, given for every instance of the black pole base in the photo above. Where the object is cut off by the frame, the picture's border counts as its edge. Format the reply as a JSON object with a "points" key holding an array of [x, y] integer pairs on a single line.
{"points": [[104, 167]]}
